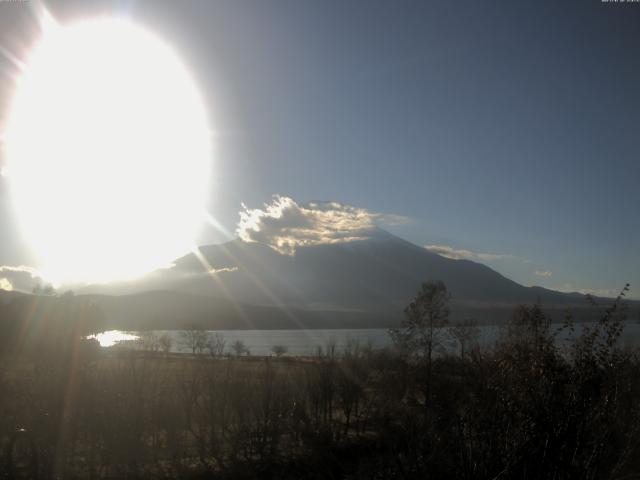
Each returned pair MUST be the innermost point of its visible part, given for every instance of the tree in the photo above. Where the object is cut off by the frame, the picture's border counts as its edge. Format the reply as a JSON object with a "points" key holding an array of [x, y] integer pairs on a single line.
{"points": [[421, 331], [239, 348], [466, 333], [279, 350], [195, 340], [148, 341], [216, 344], [43, 289], [165, 342]]}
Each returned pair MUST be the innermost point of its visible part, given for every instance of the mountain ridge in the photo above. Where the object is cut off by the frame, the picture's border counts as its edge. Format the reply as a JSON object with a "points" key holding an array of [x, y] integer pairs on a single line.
{"points": [[350, 284]]}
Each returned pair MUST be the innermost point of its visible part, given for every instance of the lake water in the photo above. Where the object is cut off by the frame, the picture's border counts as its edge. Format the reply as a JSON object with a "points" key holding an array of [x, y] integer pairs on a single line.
{"points": [[306, 342]]}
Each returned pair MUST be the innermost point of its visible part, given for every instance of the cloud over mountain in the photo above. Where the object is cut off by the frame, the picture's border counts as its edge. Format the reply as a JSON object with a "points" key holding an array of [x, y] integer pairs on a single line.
{"points": [[285, 225], [543, 273], [18, 278], [462, 254]]}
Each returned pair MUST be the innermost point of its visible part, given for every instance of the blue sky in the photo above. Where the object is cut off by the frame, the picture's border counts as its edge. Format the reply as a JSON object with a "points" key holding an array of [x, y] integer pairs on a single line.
{"points": [[508, 128]]}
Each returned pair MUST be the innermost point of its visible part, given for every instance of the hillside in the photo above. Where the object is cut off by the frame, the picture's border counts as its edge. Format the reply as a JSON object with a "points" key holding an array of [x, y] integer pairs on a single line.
{"points": [[354, 284]]}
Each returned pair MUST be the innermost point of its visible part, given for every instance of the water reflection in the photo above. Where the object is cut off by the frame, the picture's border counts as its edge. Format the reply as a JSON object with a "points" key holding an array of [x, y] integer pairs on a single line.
{"points": [[111, 337]]}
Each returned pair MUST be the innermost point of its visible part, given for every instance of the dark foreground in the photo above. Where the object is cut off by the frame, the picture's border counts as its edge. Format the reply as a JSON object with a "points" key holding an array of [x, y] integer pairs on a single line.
{"points": [[523, 409]]}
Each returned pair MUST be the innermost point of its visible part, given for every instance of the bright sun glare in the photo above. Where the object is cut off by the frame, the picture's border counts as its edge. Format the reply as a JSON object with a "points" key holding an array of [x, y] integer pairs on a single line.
{"points": [[108, 152]]}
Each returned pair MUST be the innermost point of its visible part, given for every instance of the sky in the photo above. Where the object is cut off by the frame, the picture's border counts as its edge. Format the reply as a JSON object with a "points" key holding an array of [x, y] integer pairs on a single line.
{"points": [[503, 132]]}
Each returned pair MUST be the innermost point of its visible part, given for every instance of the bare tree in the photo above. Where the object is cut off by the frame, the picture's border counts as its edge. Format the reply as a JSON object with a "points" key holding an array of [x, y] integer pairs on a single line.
{"points": [[148, 341], [195, 340], [165, 342], [239, 348], [331, 347], [216, 344], [279, 350], [466, 333], [421, 331]]}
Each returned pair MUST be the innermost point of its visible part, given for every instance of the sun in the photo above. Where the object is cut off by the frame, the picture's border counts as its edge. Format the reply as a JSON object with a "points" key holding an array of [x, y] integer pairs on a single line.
{"points": [[108, 152]]}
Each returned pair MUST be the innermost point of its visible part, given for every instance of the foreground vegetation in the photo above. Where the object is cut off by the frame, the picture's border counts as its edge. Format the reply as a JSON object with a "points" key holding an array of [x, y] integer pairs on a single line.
{"points": [[529, 407]]}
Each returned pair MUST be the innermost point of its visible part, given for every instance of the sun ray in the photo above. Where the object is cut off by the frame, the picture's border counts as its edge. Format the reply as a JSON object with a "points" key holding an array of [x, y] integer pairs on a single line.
{"points": [[13, 59], [252, 277], [277, 302], [211, 220], [33, 304], [209, 270]]}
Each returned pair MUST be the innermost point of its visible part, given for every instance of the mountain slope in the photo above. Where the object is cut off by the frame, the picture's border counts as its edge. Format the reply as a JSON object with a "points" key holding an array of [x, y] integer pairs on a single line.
{"points": [[363, 283]]}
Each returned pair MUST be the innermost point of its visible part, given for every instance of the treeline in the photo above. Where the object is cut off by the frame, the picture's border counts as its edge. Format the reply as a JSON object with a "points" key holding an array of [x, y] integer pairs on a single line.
{"points": [[530, 407]]}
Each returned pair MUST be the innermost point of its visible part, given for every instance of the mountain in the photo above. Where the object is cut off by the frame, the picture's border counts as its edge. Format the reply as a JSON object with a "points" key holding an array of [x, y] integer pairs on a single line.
{"points": [[350, 284]]}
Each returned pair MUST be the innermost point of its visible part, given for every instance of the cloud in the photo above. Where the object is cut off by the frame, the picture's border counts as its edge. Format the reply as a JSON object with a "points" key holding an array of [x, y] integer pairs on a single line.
{"points": [[211, 271], [600, 292], [214, 271], [178, 274], [596, 292], [543, 273], [20, 269], [450, 252], [223, 269], [5, 284], [390, 219], [285, 225], [462, 254], [19, 278]]}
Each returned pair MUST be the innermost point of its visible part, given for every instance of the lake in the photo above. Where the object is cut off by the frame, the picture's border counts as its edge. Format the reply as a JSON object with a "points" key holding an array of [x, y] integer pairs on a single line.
{"points": [[306, 342]]}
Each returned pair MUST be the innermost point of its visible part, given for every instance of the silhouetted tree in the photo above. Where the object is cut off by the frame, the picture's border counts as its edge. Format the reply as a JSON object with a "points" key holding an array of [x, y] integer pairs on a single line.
{"points": [[420, 332], [165, 342], [195, 340], [216, 345], [279, 350], [239, 348], [466, 333]]}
